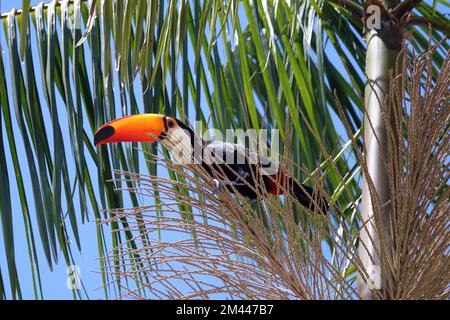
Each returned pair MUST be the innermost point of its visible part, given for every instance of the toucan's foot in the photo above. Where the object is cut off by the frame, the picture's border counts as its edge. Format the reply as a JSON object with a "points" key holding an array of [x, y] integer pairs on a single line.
{"points": [[219, 186]]}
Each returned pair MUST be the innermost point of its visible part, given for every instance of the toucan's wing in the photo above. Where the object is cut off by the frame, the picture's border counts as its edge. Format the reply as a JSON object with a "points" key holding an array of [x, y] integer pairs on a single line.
{"points": [[229, 159]]}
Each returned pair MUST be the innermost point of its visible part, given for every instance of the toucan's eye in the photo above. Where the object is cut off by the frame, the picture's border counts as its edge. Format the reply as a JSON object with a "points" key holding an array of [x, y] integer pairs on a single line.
{"points": [[170, 123]]}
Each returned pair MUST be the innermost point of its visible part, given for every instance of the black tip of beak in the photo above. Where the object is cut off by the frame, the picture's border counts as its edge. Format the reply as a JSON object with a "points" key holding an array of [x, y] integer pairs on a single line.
{"points": [[103, 134]]}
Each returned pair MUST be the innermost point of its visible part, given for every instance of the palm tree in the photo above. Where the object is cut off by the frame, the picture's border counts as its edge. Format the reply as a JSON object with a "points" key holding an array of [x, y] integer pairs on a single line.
{"points": [[248, 64]]}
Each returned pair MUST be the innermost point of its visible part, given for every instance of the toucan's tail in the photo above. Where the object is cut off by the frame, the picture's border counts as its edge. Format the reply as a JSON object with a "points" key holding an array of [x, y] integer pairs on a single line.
{"points": [[303, 193], [308, 197]]}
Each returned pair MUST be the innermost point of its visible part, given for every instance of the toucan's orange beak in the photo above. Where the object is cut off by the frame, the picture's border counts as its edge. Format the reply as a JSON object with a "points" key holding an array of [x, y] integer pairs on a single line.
{"points": [[137, 128]]}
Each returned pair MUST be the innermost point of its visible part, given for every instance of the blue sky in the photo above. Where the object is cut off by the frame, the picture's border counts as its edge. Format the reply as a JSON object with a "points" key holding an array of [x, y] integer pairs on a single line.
{"points": [[54, 283]]}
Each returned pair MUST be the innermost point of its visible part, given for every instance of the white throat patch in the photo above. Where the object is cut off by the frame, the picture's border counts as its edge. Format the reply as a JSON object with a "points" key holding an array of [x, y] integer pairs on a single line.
{"points": [[178, 141]]}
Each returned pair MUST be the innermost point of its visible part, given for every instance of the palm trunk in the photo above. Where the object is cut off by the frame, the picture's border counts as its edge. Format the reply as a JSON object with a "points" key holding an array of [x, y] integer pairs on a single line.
{"points": [[380, 58]]}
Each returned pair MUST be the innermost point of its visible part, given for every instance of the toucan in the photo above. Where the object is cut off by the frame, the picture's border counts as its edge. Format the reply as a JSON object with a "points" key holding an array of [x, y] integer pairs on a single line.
{"points": [[240, 168]]}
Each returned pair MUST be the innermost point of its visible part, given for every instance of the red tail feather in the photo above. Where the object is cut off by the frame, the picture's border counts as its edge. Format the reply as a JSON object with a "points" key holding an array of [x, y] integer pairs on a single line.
{"points": [[303, 193]]}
